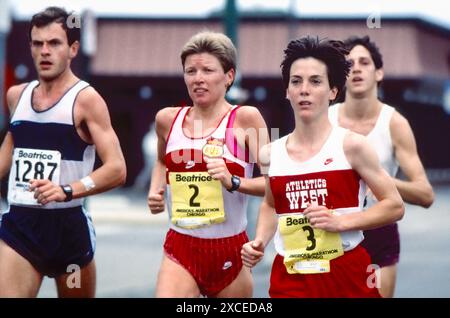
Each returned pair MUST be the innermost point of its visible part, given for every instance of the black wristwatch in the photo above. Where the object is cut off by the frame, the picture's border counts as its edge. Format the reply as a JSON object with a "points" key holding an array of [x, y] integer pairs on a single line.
{"points": [[67, 189], [235, 183]]}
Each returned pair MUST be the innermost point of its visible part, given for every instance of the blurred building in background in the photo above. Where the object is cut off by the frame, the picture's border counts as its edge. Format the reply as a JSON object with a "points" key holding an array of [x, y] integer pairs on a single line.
{"points": [[134, 63]]}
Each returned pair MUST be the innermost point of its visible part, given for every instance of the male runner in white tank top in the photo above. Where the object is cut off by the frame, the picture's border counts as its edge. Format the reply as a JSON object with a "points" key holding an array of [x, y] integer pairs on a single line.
{"points": [[393, 139], [57, 124]]}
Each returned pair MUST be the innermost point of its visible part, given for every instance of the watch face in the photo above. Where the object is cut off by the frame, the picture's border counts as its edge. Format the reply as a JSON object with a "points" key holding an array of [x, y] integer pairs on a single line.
{"points": [[67, 189], [236, 182]]}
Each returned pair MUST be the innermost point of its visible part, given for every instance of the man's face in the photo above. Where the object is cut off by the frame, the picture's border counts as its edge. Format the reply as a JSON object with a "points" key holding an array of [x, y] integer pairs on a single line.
{"points": [[363, 75], [50, 50]]}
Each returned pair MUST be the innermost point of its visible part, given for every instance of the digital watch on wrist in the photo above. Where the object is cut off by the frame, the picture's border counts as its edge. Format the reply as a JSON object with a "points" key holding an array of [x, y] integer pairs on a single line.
{"points": [[235, 183], [67, 189]]}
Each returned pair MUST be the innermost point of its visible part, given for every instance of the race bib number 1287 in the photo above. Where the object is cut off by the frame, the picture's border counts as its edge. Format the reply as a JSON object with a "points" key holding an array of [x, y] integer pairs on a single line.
{"points": [[31, 164]]}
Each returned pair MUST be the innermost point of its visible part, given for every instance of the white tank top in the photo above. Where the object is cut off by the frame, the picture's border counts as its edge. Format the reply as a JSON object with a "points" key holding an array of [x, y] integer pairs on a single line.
{"points": [[379, 137], [235, 204], [46, 144], [327, 178]]}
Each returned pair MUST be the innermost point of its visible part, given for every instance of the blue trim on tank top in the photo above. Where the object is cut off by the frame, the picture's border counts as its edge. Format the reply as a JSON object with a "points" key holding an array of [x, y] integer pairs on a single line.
{"points": [[49, 136]]}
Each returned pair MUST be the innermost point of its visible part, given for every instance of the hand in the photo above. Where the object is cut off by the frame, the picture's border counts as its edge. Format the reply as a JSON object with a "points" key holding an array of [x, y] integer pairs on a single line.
{"points": [[45, 191], [322, 218], [218, 170], [156, 201], [252, 253]]}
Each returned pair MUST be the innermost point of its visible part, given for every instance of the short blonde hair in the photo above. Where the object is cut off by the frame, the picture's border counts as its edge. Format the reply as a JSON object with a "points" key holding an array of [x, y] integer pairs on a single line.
{"points": [[214, 43]]}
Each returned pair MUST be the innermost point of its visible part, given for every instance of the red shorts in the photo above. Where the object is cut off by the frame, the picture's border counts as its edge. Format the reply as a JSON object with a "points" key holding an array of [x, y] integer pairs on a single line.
{"points": [[214, 263], [348, 277]]}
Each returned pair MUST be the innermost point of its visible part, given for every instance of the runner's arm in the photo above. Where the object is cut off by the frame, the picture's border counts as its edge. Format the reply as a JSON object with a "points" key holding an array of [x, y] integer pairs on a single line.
{"points": [[417, 189], [95, 115], [252, 252], [155, 198], [251, 127], [389, 208], [7, 147]]}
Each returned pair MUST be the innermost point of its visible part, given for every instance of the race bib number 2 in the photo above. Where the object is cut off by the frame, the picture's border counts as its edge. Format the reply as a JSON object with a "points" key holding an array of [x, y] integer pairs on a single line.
{"points": [[31, 164], [197, 200]]}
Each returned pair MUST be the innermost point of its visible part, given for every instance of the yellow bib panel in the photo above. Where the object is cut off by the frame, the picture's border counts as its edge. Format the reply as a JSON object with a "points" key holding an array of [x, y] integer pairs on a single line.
{"points": [[307, 250], [197, 199]]}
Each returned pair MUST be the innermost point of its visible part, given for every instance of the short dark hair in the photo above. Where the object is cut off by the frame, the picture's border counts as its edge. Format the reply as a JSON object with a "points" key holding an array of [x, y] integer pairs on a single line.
{"points": [[332, 53], [58, 15], [374, 51]]}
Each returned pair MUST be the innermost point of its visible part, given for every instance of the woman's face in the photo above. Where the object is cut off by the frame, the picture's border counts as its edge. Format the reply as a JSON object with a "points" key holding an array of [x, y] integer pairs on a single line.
{"points": [[205, 79], [309, 91]]}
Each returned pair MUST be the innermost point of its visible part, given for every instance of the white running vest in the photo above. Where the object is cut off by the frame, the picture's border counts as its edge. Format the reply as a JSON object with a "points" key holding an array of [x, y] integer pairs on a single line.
{"points": [[47, 146], [379, 137]]}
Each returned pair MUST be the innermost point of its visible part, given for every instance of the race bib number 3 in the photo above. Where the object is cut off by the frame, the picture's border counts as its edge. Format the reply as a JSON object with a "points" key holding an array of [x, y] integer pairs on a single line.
{"points": [[307, 250], [197, 199], [31, 164]]}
